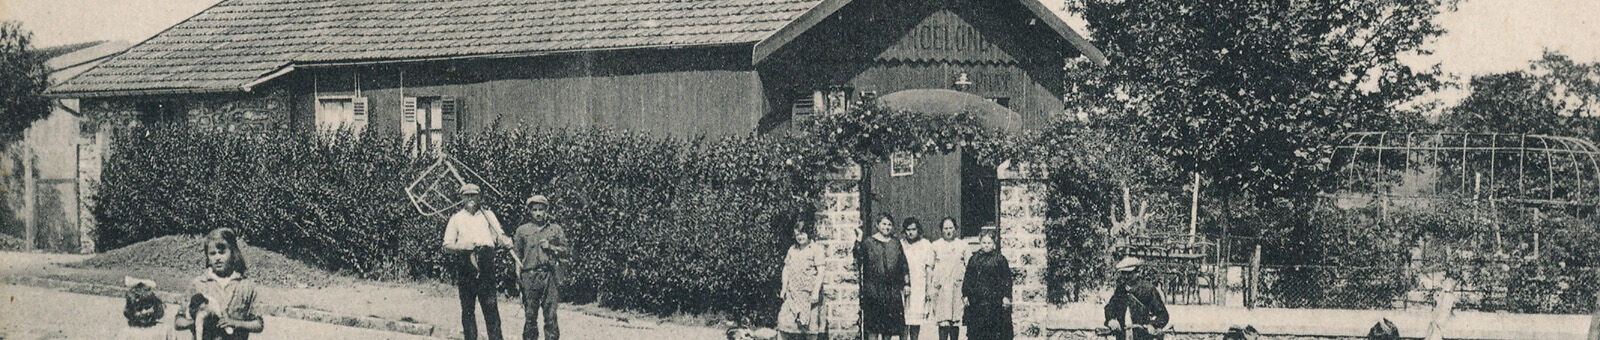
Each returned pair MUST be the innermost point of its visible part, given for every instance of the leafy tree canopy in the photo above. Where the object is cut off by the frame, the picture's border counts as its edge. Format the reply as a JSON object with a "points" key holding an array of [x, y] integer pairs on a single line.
{"points": [[23, 79], [1553, 96], [1249, 93]]}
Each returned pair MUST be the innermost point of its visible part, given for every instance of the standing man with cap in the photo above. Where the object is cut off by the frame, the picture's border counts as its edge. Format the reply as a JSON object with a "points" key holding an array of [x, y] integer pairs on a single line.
{"points": [[1135, 304], [473, 234], [540, 242]]}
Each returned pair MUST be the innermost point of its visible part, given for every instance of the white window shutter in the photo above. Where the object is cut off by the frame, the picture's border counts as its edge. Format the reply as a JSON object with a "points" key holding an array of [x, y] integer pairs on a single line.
{"points": [[358, 114], [408, 122]]}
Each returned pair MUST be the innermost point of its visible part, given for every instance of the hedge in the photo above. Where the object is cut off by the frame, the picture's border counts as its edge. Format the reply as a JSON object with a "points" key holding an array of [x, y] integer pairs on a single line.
{"points": [[662, 225]]}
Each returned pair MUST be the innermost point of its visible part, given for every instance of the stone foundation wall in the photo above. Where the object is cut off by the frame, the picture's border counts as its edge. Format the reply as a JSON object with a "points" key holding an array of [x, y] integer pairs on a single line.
{"points": [[264, 111]]}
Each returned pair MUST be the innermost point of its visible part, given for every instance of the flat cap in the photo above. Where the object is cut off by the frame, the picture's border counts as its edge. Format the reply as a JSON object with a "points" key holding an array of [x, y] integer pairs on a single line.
{"points": [[1129, 264]]}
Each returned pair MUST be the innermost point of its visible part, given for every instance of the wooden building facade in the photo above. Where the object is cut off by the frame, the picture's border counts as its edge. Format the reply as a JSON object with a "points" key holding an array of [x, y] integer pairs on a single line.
{"points": [[674, 68]]}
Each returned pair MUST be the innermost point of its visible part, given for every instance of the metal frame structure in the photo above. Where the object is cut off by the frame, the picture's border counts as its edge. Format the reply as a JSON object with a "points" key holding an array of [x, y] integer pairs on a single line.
{"points": [[1566, 170], [434, 192]]}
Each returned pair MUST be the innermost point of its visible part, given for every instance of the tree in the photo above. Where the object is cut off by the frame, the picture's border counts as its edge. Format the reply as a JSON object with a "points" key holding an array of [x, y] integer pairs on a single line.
{"points": [[1553, 96], [1250, 93], [23, 79]]}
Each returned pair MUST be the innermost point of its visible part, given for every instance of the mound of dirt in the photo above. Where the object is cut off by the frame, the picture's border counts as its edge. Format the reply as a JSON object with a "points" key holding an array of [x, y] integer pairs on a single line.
{"points": [[184, 254]]}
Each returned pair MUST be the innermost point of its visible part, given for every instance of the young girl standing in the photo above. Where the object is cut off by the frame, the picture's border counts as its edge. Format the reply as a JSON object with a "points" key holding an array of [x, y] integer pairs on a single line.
{"points": [[987, 288], [919, 258], [224, 307], [800, 317], [944, 288]]}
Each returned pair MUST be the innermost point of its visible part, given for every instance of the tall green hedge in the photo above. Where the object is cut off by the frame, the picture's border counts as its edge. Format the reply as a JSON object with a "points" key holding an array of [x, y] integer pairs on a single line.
{"points": [[659, 225]]}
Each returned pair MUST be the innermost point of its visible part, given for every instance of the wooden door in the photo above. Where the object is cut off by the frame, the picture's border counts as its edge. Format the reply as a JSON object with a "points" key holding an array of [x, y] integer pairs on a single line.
{"points": [[930, 193]]}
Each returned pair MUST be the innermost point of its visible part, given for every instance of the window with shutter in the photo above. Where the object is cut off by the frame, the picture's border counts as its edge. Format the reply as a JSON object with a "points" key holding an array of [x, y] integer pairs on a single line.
{"points": [[341, 112], [450, 117], [832, 100], [358, 114], [408, 123], [838, 100], [430, 121], [804, 105]]}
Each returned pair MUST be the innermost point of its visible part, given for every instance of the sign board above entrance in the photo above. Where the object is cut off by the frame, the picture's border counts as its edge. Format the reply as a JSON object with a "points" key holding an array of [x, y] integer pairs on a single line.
{"points": [[947, 36]]}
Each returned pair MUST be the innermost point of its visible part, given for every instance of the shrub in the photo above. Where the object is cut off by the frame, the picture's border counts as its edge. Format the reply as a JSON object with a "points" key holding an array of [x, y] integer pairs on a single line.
{"points": [[1088, 166], [662, 225], [659, 225], [333, 201]]}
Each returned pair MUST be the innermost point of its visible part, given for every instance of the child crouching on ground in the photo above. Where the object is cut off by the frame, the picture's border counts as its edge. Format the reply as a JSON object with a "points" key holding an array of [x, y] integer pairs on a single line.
{"points": [[144, 312], [222, 305]]}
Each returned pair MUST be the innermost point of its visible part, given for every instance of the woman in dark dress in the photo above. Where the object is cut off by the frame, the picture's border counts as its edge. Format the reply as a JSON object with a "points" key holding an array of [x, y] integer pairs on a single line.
{"points": [[883, 279], [987, 288]]}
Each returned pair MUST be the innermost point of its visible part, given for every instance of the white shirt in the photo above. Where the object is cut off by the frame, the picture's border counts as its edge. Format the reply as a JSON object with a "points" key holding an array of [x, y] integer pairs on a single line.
{"points": [[466, 231]]}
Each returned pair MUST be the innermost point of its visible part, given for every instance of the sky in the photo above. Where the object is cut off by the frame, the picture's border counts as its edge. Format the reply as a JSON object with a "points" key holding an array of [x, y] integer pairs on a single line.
{"points": [[1485, 36]]}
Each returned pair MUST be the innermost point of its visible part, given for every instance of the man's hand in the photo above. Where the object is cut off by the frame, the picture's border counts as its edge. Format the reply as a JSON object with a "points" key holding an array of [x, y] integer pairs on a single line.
{"points": [[1114, 324]]}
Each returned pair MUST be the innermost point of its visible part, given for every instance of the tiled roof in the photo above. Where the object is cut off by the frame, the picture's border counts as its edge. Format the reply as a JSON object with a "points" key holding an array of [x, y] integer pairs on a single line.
{"points": [[235, 42]]}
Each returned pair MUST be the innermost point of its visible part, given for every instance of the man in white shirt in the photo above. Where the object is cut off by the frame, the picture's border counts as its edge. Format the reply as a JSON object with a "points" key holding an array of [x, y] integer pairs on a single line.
{"points": [[472, 235]]}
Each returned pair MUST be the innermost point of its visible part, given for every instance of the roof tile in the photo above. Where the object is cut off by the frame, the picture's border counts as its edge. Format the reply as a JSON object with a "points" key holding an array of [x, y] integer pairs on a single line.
{"points": [[238, 41]]}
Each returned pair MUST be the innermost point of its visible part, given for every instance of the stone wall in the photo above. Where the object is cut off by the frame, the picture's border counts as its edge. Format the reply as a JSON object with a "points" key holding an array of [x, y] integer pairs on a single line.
{"points": [[265, 111], [1022, 208], [1023, 194], [839, 215]]}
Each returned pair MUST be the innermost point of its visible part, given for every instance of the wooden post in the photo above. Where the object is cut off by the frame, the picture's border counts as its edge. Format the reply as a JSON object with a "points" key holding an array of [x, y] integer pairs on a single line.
{"points": [[1194, 207], [30, 225], [1255, 278], [1594, 322]]}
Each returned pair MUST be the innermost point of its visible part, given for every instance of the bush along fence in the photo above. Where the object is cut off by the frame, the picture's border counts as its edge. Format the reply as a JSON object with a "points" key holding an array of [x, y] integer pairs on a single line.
{"points": [[700, 225], [663, 225]]}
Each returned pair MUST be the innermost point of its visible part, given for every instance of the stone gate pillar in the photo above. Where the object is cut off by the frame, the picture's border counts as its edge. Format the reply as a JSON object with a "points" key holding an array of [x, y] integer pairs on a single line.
{"points": [[839, 214], [1023, 193]]}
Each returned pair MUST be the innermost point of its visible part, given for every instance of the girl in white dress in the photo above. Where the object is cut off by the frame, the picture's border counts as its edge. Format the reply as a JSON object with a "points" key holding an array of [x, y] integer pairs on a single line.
{"points": [[950, 255], [919, 259]]}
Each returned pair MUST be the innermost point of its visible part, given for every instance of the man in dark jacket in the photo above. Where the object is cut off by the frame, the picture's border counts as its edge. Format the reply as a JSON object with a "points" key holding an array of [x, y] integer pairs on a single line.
{"points": [[1135, 311]]}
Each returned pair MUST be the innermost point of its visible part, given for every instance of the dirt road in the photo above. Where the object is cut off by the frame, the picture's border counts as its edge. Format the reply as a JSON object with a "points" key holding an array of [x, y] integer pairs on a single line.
{"points": [[37, 313]]}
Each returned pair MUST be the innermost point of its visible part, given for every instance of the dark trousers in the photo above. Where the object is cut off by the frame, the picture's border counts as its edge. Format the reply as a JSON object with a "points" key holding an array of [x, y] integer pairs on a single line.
{"points": [[539, 296], [477, 286]]}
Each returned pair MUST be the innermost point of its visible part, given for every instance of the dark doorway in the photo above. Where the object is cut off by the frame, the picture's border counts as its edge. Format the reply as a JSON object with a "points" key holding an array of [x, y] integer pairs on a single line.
{"points": [[980, 195]]}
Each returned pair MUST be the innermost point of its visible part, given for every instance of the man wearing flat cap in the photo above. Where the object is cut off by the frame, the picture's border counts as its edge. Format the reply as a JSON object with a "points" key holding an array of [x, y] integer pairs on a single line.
{"points": [[473, 234], [1135, 311], [541, 244]]}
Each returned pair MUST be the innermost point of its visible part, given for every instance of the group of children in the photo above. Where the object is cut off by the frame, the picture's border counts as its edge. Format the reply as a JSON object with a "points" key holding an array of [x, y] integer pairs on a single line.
{"points": [[907, 281], [222, 303]]}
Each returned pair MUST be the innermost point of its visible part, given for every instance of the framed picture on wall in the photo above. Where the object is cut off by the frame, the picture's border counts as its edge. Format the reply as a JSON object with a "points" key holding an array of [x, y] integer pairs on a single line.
{"points": [[902, 164]]}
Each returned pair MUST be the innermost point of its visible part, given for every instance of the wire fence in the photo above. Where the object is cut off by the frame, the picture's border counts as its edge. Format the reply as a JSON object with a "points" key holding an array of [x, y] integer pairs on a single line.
{"points": [[1541, 290]]}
